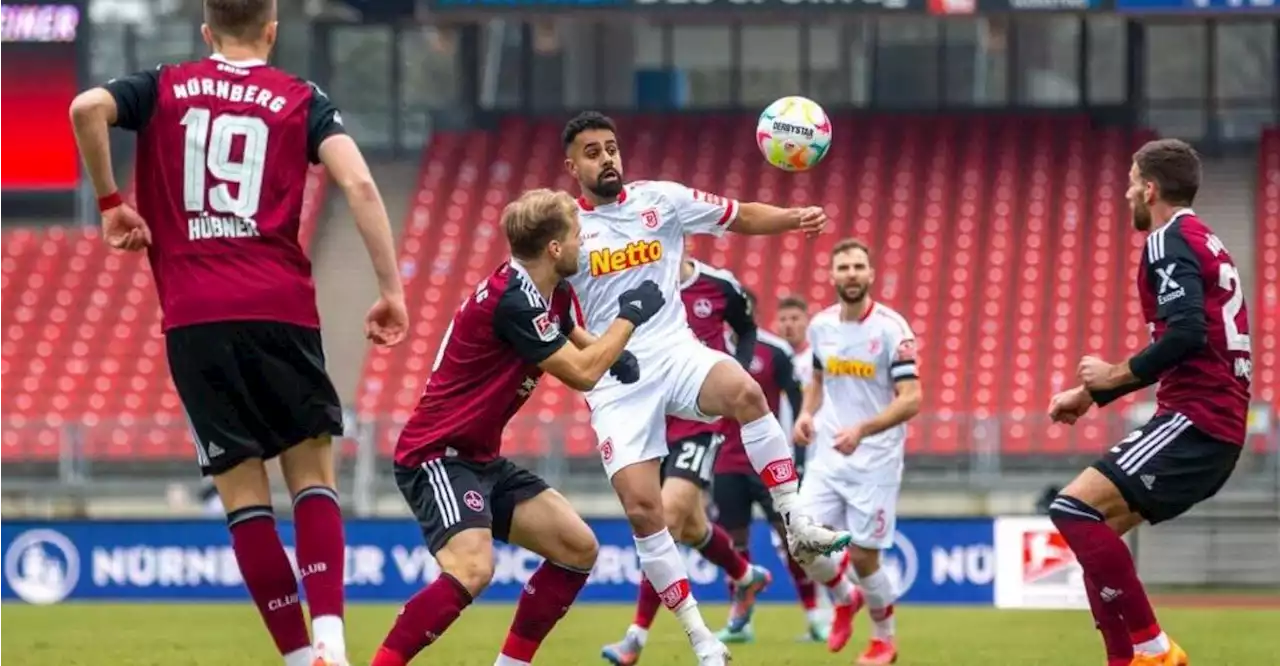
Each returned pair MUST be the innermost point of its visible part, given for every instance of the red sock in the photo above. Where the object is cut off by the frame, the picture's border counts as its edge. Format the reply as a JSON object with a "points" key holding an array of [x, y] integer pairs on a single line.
{"points": [[546, 598], [805, 588], [321, 551], [647, 604], [267, 573], [746, 555], [1115, 636], [1106, 560], [717, 548], [423, 620]]}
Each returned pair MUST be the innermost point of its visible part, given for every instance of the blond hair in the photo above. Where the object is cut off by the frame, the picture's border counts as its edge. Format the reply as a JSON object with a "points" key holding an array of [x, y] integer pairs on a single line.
{"points": [[535, 219]]}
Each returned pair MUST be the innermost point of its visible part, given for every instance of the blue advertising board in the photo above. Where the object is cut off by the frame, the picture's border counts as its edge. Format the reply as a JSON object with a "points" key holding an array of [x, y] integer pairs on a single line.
{"points": [[1197, 6], [936, 560]]}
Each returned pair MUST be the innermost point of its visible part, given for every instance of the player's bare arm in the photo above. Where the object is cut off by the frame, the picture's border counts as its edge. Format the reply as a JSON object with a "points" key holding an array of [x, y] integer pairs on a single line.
{"points": [[905, 405], [580, 368], [388, 319], [762, 219], [812, 402], [93, 112]]}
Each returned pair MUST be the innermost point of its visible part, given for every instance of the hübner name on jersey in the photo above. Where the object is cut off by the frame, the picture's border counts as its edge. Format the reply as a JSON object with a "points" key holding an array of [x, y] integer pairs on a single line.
{"points": [[1171, 296], [232, 92], [208, 227], [636, 253]]}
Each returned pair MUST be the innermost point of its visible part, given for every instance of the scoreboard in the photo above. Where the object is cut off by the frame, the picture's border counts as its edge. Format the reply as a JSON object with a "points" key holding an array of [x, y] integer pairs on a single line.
{"points": [[39, 76]]}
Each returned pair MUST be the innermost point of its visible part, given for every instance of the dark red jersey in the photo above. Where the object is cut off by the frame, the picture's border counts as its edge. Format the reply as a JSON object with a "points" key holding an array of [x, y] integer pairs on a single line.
{"points": [[487, 367], [773, 369], [223, 153], [713, 298], [1187, 272]]}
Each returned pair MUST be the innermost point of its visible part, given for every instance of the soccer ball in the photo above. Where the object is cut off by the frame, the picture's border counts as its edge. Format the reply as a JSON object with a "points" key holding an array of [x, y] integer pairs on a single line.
{"points": [[794, 133]]}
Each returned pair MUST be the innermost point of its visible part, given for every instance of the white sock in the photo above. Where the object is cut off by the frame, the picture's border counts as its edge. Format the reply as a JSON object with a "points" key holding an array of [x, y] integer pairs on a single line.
{"points": [[880, 593], [814, 616], [639, 633], [829, 571], [328, 629], [770, 456], [1157, 645], [662, 565], [300, 657], [504, 660]]}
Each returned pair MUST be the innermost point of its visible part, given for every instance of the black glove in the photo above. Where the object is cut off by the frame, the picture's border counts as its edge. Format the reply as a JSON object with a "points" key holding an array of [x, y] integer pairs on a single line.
{"points": [[626, 369], [640, 304]]}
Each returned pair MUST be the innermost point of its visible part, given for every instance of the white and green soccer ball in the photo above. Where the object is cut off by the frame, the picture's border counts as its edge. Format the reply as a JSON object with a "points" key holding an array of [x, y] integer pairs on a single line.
{"points": [[794, 133]]}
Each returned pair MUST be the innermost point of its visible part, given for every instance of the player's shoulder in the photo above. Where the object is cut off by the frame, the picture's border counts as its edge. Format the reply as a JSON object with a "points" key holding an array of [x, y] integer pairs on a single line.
{"points": [[828, 316], [1178, 235], [890, 319], [721, 275], [767, 338]]}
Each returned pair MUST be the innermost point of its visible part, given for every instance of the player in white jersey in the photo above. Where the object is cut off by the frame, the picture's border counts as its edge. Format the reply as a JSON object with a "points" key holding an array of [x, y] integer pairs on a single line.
{"points": [[632, 233], [865, 388]]}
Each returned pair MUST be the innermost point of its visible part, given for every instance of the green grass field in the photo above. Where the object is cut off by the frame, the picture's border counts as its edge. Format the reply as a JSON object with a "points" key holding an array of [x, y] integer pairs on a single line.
{"points": [[208, 635]]}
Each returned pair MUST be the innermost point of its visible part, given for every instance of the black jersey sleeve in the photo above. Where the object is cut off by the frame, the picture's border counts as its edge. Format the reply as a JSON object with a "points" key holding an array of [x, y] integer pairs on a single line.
{"points": [[1174, 277], [568, 318], [784, 374], [135, 97], [740, 318], [323, 121], [520, 320]]}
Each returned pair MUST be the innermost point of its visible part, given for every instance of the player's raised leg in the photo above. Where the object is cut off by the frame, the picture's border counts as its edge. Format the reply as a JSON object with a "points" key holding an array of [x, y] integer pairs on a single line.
{"points": [[547, 524], [729, 391], [459, 535], [320, 545]]}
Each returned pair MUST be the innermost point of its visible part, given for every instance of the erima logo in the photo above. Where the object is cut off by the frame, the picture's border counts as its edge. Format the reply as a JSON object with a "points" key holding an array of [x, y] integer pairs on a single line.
{"points": [[1148, 480]]}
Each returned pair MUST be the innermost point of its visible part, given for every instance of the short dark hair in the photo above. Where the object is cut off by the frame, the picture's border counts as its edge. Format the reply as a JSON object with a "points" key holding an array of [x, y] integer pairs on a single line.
{"points": [[587, 120], [793, 303], [1174, 166], [535, 219], [239, 19], [851, 244]]}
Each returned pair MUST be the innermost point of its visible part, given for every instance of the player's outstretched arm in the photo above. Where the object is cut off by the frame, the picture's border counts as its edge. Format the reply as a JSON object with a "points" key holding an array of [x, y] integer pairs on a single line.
{"points": [[346, 165], [761, 219], [581, 368]]}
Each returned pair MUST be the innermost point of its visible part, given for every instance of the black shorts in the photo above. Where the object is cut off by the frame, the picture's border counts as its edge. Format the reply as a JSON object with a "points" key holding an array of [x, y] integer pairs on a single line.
{"points": [[1168, 466], [693, 458], [251, 389], [449, 495], [800, 454], [734, 495]]}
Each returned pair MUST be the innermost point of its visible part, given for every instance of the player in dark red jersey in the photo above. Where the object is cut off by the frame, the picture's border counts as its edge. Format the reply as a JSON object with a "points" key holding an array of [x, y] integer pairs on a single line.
{"points": [[737, 488], [1191, 299], [224, 145], [713, 300], [522, 320]]}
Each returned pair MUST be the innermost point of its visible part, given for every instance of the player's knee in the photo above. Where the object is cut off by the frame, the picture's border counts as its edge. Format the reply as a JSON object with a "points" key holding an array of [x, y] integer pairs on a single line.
{"points": [[645, 514], [468, 557], [580, 549], [748, 401], [1064, 507]]}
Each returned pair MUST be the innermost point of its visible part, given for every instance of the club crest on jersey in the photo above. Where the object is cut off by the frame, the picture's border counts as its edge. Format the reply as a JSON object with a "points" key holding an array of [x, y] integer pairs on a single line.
{"points": [[636, 253], [843, 367], [649, 217], [702, 308], [545, 327]]}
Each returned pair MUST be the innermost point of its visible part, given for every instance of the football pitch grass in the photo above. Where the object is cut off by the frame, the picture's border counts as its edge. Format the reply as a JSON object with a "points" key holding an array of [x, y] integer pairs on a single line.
{"points": [[222, 634]]}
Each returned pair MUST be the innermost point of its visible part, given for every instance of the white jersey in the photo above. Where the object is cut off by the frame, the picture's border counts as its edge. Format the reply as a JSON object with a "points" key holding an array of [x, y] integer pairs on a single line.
{"points": [[641, 237], [803, 362], [860, 362]]}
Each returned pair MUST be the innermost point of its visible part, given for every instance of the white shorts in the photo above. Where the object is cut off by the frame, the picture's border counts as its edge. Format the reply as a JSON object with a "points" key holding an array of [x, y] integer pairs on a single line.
{"points": [[630, 420], [869, 511]]}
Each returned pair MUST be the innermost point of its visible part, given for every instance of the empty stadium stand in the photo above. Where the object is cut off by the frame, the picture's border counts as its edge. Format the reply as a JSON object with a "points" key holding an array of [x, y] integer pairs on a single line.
{"points": [[1265, 314], [84, 368], [1004, 240]]}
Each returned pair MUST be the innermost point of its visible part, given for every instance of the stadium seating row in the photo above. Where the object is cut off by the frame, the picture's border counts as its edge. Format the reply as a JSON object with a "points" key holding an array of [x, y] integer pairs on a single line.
{"points": [[1004, 240]]}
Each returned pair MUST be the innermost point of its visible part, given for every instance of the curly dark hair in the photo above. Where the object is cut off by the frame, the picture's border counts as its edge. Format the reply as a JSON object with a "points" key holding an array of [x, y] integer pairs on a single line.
{"points": [[587, 120]]}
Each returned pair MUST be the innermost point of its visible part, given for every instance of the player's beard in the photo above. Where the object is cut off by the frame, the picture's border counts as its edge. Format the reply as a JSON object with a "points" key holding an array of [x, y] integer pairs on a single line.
{"points": [[852, 293], [607, 189], [566, 268], [1141, 216]]}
